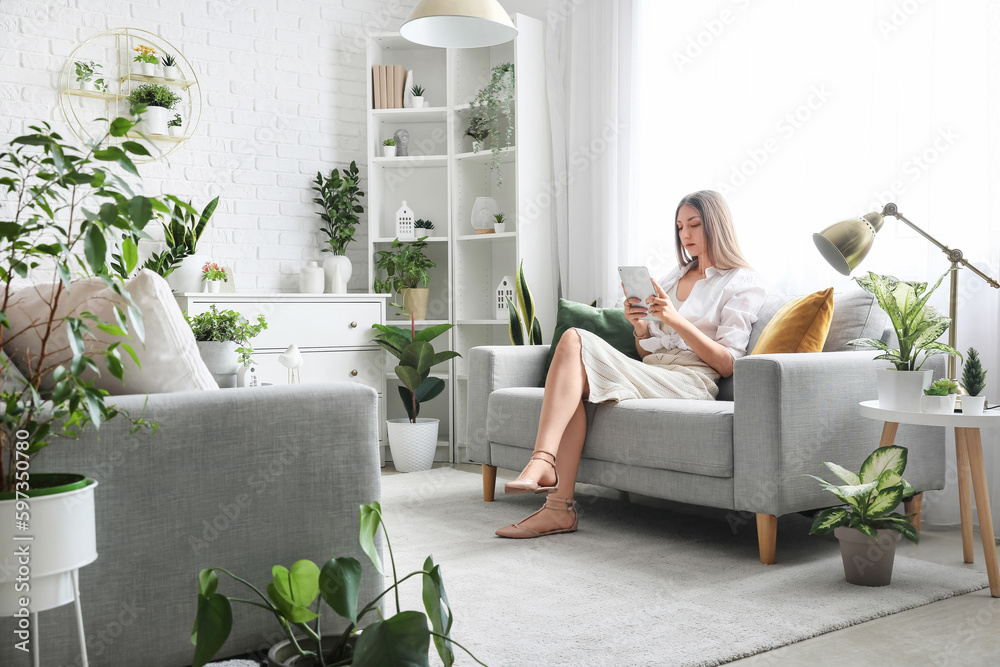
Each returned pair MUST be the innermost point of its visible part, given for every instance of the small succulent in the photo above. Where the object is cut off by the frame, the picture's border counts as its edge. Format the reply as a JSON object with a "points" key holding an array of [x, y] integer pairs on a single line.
{"points": [[941, 387], [389, 142], [417, 90], [423, 224], [973, 375], [168, 60], [499, 218]]}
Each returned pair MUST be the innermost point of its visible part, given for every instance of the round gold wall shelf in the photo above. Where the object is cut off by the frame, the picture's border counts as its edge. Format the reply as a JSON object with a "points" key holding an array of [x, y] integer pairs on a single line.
{"points": [[88, 111]]}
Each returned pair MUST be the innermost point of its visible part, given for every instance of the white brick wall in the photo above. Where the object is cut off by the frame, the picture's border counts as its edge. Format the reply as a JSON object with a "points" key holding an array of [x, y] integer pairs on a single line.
{"points": [[271, 72]]}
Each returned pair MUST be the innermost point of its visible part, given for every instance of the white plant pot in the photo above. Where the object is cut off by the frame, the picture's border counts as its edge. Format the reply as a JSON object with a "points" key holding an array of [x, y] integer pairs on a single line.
{"points": [[938, 405], [499, 227], [88, 85], [418, 102], [477, 146], [901, 390], [154, 120], [148, 69], [222, 361], [187, 276], [973, 405], [412, 445], [213, 286], [338, 270], [65, 539], [170, 72], [176, 131], [388, 151]]}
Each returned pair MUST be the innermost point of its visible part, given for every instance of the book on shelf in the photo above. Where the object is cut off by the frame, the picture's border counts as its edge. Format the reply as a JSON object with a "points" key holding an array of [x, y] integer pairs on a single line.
{"points": [[399, 80], [376, 88], [388, 86]]}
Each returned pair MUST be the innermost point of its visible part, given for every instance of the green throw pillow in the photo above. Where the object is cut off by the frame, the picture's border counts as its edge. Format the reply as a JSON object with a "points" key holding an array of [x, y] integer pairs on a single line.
{"points": [[608, 323]]}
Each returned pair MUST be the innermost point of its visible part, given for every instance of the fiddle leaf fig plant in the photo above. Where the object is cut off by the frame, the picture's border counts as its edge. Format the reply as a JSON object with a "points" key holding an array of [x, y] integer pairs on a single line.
{"points": [[869, 496], [917, 325]]}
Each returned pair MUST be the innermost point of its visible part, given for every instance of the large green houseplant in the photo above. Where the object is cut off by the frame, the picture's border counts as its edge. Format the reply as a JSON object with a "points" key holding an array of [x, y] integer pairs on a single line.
{"points": [[223, 338], [530, 331], [918, 327], [401, 639], [339, 198], [405, 266], [867, 518]]}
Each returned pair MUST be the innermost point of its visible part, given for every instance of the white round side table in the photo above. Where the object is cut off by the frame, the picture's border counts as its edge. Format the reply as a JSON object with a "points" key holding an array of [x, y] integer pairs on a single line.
{"points": [[969, 455]]}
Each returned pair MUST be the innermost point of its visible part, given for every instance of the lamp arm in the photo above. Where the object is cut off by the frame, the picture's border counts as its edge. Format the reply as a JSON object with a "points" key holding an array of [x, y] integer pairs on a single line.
{"points": [[955, 255]]}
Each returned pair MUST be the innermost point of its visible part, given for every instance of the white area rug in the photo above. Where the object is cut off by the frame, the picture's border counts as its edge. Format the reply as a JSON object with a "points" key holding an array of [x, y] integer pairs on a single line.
{"points": [[635, 585]]}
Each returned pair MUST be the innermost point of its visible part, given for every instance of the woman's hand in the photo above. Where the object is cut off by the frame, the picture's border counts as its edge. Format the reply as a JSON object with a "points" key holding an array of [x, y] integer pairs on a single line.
{"points": [[634, 310], [661, 307]]}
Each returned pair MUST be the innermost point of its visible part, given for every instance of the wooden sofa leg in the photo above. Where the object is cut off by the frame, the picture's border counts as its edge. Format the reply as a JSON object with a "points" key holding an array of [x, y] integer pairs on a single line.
{"points": [[489, 483], [913, 506], [767, 537]]}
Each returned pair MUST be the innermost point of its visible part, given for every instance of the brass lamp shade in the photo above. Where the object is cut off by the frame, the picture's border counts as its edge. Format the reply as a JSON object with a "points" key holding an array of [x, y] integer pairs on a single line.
{"points": [[846, 243], [460, 24]]}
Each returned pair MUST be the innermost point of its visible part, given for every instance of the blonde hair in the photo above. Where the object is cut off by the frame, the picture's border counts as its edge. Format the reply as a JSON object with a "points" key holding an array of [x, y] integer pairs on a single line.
{"points": [[721, 245]]}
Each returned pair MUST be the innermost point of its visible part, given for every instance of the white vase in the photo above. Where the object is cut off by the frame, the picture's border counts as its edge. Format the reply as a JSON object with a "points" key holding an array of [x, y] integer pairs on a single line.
{"points": [[187, 276], [388, 151], [176, 131], [148, 69], [412, 445], [154, 120], [901, 390], [973, 405], [338, 270], [64, 539], [483, 212], [213, 286], [170, 72], [418, 101], [312, 279], [938, 405]]}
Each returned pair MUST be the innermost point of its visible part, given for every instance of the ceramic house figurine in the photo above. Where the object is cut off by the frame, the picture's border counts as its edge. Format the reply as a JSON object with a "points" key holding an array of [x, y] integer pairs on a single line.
{"points": [[504, 290], [404, 223]]}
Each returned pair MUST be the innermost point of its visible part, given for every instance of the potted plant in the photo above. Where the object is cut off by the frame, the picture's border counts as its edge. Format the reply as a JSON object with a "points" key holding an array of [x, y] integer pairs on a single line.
{"points": [[412, 441], [213, 276], [223, 338], [425, 225], [866, 526], [495, 103], [86, 71], [49, 396], [406, 273], [500, 223], [418, 96], [145, 55], [917, 326], [974, 380], [479, 129], [939, 398], [389, 148], [529, 333], [174, 126], [169, 66], [153, 101], [340, 200], [401, 639]]}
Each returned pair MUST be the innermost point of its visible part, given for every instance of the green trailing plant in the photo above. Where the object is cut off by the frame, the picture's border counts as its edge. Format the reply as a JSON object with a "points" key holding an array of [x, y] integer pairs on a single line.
{"points": [[340, 200], [942, 387], [524, 329], [869, 496], [175, 121], [420, 223], [973, 375], [224, 326], [401, 639], [389, 142], [479, 126], [416, 358], [153, 95], [417, 90], [405, 266], [168, 60], [495, 103], [180, 235], [917, 325], [86, 70], [64, 204]]}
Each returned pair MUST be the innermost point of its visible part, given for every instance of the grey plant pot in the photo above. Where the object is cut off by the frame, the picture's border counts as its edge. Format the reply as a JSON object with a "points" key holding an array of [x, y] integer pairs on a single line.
{"points": [[222, 361], [283, 654], [867, 560]]}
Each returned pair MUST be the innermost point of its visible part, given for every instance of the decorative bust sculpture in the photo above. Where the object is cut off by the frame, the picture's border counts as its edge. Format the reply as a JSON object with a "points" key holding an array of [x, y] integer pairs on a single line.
{"points": [[402, 138]]}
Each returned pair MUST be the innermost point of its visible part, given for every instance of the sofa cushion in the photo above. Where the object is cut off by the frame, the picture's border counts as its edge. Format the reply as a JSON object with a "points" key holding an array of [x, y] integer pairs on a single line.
{"points": [[608, 323], [856, 314], [801, 325], [667, 434]]}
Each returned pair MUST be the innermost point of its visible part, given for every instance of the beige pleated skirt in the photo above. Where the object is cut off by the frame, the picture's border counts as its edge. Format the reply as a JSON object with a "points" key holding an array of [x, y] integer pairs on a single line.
{"points": [[670, 374]]}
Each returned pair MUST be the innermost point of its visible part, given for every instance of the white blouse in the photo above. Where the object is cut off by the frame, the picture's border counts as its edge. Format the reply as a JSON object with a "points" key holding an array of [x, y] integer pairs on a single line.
{"points": [[723, 306]]}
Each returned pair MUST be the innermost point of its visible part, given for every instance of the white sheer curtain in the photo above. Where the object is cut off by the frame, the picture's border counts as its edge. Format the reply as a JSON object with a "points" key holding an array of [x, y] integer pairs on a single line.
{"points": [[590, 56], [806, 113]]}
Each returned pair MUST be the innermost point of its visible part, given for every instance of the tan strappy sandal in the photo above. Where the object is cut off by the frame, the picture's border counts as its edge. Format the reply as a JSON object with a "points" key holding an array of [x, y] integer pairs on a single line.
{"points": [[519, 531], [529, 485]]}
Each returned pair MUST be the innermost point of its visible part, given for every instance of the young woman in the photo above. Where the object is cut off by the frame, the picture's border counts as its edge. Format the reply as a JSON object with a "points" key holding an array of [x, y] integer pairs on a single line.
{"points": [[704, 309]]}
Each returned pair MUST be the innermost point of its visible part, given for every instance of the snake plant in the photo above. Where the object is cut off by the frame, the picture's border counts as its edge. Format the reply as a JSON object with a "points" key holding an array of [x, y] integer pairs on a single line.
{"points": [[530, 330]]}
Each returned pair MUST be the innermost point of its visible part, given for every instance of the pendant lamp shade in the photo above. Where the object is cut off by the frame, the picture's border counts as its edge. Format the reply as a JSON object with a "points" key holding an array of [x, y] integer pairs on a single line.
{"points": [[845, 244], [460, 24]]}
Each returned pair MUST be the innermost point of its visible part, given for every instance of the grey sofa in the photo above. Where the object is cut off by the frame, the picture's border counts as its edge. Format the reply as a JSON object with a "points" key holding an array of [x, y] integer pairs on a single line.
{"points": [[239, 478], [775, 420]]}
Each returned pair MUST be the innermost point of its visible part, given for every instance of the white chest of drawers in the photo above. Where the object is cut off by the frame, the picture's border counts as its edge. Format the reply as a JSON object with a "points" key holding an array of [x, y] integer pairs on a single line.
{"points": [[332, 331]]}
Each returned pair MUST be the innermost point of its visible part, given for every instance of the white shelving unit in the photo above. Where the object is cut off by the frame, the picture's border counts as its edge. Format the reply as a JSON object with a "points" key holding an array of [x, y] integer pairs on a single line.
{"points": [[440, 181]]}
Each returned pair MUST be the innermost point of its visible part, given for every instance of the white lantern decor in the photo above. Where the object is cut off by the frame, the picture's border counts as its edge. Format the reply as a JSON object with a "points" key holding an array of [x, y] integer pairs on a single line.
{"points": [[504, 291], [404, 223], [483, 212]]}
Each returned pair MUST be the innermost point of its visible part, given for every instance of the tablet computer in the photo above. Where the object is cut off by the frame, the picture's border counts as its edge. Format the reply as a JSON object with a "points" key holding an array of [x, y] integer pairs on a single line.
{"points": [[638, 285]]}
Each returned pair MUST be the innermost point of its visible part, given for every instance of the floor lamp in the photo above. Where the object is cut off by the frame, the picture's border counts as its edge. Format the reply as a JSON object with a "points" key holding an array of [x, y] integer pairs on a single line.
{"points": [[846, 243]]}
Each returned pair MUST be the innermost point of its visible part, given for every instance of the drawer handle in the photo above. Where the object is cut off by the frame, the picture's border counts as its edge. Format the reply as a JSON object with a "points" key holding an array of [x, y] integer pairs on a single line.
{"points": [[354, 373], [354, 325]]}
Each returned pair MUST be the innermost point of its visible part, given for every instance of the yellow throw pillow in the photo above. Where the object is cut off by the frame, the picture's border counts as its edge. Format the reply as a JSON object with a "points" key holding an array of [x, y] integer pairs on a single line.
{"points": [[800, 326]]}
